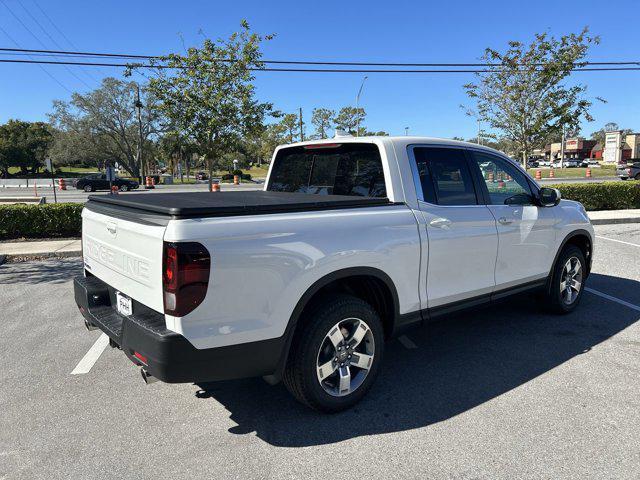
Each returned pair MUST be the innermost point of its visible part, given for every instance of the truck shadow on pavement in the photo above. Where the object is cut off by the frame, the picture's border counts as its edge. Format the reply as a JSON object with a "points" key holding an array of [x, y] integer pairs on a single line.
{"points": [[459, 364], [57, 270]]}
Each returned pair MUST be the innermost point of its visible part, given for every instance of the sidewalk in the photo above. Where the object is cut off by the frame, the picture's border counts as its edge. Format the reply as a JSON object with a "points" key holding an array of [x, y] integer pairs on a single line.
{"points": [[610, 217], [40, 249]]}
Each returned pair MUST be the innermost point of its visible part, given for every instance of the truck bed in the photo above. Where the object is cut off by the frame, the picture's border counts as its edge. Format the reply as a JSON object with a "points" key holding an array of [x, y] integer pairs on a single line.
{"points": [[217, 204]]}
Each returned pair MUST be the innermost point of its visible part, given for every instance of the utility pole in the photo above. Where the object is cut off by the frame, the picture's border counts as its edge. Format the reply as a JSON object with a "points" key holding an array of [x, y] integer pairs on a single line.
{"points": [[138, 105], [562, 149], [406, 131], [357, 104], [301, 131]]}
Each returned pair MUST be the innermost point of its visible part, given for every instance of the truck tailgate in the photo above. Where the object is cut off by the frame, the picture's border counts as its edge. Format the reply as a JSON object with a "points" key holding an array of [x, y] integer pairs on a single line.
{"points": [[126, 255]]}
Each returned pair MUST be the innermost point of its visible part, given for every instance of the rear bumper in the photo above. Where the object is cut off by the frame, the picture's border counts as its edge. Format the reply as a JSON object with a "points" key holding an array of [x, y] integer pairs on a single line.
{"points": [[170, 357]]}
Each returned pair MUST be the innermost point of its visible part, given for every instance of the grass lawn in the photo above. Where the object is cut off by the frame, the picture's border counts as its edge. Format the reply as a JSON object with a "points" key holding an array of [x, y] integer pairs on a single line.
{"points": [[603, 171]]}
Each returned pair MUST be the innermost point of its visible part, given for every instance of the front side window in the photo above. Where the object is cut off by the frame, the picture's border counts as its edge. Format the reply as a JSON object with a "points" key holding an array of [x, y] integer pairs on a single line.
{"points": [[445, 178], [505, 183], [329, 169]]}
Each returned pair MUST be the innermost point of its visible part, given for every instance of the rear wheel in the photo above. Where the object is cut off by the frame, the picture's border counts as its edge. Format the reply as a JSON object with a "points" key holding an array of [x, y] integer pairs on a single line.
{"points": [[88, 188], [123, 188], [567, 283], [336, 354]]}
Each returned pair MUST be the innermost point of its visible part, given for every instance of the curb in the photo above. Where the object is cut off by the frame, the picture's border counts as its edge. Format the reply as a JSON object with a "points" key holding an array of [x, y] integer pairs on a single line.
{"points": [[614, 221], [16, 258]]}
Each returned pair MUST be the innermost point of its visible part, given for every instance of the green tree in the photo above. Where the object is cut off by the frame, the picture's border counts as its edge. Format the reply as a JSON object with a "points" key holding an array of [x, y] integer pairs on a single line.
{"points": [[24, 145], [291, 125], [524, 97], [349, 119], [104, 124], [212, 102], [273, 135], [322, 120]]}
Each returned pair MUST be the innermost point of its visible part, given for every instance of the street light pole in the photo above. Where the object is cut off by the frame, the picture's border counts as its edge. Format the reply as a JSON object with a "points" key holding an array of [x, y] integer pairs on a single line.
{"points": [[562, 149], [357, 104], [406, 131], [138, 106]]}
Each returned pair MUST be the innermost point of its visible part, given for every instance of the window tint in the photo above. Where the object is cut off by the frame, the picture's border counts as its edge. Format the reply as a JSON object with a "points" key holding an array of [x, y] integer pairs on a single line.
{"points": [[444, 176], [505, 183], [336, 169]]}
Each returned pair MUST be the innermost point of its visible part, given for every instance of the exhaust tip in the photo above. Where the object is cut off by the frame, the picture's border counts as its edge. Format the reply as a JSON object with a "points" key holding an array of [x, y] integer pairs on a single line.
{"points": [[147, 377]]}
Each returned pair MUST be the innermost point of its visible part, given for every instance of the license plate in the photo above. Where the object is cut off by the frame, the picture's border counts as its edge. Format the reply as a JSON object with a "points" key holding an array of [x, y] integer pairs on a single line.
{"points": [[123, 304]]}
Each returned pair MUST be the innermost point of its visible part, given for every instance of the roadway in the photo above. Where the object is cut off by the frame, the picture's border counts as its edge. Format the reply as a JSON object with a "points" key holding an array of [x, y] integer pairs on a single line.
{"points": [[506, 392]]}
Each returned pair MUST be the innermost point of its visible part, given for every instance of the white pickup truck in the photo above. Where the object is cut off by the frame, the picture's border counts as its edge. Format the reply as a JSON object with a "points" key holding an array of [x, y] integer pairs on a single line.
{"points": [[352, 241]]}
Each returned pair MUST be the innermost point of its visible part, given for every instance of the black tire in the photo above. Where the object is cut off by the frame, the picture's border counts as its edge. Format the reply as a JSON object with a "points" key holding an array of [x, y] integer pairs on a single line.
{"points": [[556, 301], [123, 188], [637, 177], [88, 188], [301, 372]]}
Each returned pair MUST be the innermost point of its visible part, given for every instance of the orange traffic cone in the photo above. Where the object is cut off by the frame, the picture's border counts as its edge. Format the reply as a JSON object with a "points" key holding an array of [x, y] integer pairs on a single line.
{"points": [[61, 184], [552, 174], [588, 173], [215, 187], [236, 180], [149, 183], [538, 175]]}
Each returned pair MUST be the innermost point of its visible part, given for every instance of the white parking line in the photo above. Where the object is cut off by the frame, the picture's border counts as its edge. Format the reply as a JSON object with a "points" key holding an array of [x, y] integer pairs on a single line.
{"points": [[407, 342], [613, 299], [618, 241], [91, 357]]}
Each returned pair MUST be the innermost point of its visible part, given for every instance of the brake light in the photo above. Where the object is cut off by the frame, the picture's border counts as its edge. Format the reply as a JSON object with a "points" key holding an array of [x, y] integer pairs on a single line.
{"points": [[317, 146], [628, 171], [185, 276]]}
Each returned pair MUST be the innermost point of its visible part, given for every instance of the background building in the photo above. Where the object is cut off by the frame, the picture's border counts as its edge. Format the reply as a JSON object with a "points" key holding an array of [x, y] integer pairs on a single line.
{"points": [[573, 148]]}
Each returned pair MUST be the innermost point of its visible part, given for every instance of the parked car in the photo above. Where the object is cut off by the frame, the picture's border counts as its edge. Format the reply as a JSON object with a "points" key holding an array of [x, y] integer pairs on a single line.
{"points": [[202, 176], [567, 163], [98, 181], [533, 163], [351, 242], [630, 170], [590, 162]]}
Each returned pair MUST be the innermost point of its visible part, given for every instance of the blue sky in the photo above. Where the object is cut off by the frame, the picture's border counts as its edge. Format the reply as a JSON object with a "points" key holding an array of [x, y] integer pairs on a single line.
{"points": [[423, 31]]}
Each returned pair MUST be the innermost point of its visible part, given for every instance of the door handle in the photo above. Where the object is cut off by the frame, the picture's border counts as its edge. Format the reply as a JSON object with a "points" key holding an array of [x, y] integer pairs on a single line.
{"points": [[440, 222], [504, 221]]}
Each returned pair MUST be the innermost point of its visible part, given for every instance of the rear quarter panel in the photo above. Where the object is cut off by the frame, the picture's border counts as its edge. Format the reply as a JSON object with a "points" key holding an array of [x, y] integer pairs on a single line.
{"points": [[262, 265]]}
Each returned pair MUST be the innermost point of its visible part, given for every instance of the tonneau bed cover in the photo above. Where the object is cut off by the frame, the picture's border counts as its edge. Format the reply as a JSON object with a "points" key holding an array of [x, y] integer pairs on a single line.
{"points": [[214, 204]]}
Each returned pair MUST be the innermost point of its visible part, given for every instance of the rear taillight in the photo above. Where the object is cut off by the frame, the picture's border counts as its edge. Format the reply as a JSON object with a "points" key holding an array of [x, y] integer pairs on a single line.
{"points": [[185, 276], [628, 171]]}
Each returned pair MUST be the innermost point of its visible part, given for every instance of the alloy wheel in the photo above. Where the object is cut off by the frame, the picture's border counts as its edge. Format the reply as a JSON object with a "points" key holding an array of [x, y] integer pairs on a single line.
{"points": [[345, 357], [571, 280]]}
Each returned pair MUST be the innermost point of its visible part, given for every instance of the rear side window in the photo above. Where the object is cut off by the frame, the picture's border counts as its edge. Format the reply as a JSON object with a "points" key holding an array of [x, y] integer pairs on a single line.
{"points": [[329, 169], [445, 178]]}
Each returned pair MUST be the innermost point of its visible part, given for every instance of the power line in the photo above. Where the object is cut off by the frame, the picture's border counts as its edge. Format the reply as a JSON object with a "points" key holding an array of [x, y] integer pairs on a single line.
{"points": [[38, 40], [309, 62], [316, 70], [41, 67], [53, 40]]}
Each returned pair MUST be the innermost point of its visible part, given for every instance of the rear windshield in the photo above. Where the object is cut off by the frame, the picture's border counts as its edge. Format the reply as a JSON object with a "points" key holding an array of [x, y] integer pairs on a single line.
{"points": [[349, 169]]}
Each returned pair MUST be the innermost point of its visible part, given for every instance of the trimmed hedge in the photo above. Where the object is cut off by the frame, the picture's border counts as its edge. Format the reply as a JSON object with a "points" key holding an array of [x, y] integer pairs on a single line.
{"points": [[602, 196], [34, 221]]}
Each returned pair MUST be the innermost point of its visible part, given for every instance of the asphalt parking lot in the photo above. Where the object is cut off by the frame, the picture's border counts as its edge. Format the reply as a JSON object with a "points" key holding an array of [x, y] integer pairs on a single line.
{"points": [[506, 392]]}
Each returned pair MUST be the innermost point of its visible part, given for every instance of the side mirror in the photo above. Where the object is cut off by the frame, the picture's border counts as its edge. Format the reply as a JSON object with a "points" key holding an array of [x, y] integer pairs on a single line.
{"points": [[549, 197], [519, 199]]}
